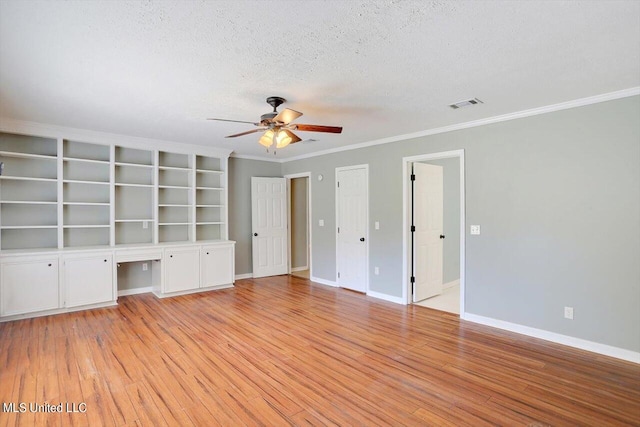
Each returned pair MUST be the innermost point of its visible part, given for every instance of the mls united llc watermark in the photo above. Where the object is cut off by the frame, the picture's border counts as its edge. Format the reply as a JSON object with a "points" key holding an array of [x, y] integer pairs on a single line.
{"points": [[32, 407]]}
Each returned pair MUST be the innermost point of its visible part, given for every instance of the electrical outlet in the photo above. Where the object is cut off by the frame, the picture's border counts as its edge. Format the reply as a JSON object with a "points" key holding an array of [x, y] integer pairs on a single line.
{"points": [[568, 313], [377, 225], [376, 270], [475, 230], [145, 266], [145, 224], [321, 222]]}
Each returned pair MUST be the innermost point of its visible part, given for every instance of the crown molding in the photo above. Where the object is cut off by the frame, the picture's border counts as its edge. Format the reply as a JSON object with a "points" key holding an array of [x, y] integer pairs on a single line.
{"points": [[261, 159], [84, 135], [481, 122]]}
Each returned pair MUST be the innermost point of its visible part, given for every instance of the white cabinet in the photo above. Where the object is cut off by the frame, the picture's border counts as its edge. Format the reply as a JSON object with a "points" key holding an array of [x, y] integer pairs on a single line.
{"points": [[216, 263], [28, 285], [88, 279], [181, 269]]}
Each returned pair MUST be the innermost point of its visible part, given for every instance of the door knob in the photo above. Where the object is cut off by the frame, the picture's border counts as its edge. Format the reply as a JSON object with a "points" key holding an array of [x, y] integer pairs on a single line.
{"points": [[255, 234], [442, 236], [362, 239]]}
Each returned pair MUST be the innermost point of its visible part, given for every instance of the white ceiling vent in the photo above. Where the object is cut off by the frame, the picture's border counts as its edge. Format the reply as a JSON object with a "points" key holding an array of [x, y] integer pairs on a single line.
{"points": [[466, 103]]}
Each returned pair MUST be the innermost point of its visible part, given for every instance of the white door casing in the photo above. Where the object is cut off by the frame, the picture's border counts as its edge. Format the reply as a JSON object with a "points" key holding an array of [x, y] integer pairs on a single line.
{"points": [[352, 218], [269, 226], [428, 209]]}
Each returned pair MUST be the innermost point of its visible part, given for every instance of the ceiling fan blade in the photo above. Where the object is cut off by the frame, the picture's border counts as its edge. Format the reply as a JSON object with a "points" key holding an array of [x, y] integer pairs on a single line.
{"points": [[318, 128], [235, 121], [293, 136], [245, 133], [287, 115]]}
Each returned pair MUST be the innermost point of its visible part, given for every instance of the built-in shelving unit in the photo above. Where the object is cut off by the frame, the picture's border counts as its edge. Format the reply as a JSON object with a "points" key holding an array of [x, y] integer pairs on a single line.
{"points": [[175, 197], [86, 199], [28, 192], [62, 193], [134, 196], [210, 199]]}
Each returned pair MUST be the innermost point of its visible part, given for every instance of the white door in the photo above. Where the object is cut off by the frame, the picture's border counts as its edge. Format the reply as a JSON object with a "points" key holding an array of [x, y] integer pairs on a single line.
{"points": [[181, 269], [428, 207], [352, 219], [216, 263], [88, 280], [269, 223], [28, 286]]}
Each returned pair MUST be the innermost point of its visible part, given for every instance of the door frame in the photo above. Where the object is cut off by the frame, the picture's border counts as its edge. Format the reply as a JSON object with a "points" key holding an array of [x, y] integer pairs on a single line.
{"points": [[337, 211], [406, 221], [289, 177]]}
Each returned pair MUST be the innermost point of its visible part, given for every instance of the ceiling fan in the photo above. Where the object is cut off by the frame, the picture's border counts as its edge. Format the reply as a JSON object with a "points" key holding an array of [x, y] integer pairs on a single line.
{"points": [[278, 126]]}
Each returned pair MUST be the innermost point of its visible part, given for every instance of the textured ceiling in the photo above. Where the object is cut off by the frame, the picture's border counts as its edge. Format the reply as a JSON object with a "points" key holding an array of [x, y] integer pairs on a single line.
{"points": [[378, 68]]}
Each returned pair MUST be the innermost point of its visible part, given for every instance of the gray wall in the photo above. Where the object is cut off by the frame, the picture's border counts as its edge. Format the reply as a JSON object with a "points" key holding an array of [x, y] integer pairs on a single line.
{"points": [[451, 211], [299, 245], [556, 196], [240, 173]]}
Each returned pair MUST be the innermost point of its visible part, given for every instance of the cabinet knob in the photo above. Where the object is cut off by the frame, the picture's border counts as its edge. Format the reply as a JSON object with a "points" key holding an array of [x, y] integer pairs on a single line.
{"points": [[255, 234], [362, 239], [105, 260], [170, 256], [207, 253], [49, 265]]}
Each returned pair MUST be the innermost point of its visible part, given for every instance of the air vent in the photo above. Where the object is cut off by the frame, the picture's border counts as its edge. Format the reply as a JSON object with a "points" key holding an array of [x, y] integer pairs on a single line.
{"points": [[466, 103]]}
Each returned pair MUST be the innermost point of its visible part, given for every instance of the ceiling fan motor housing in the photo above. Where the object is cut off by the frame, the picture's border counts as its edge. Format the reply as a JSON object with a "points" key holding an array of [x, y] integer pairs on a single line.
{"points": [[275, 102]]}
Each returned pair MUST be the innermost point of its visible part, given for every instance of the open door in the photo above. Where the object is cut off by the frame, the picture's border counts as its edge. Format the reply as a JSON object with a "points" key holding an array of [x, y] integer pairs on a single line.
{"points": [[269, 223], [428, 208]]}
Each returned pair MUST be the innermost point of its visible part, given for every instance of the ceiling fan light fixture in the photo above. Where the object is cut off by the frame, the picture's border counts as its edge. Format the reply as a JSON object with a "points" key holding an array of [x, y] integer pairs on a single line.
{"points": [[282, 139], [267, 138]]}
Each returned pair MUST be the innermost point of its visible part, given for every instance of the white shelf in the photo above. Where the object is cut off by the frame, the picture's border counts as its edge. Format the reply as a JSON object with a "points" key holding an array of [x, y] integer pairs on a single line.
{"points": [[26, 227], [173, 168], [28, 178], [209, 171], [87, 226], [26, 202], [210, 188], [135, 165], [77, 181], [86, 203], [174, 205], [209, 206], [175, 223], [178, 187], [209, 223], [27, 155], [135, 220], [123, 184], [80, 159]]}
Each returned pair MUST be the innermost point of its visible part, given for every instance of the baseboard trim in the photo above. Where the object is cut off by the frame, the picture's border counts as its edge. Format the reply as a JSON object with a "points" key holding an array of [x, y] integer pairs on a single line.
{"points": [[306, 267], [324, 281], [604, 349], [135, 291], [244, 276], [385, 297], [451, 284]]}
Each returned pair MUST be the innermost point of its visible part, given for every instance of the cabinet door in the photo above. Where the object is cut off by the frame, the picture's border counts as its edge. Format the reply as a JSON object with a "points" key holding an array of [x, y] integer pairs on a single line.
{"points": [[217, 265], [181, 269], [29, 286], [88, 280]]}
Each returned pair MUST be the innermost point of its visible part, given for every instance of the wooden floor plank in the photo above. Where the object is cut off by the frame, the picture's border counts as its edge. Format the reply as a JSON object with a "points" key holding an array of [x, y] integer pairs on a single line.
{"points": [[285, 351]]}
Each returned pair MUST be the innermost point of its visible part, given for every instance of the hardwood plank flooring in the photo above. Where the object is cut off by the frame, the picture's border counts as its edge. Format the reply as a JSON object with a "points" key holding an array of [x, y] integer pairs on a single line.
{"points": [[285, 351]]}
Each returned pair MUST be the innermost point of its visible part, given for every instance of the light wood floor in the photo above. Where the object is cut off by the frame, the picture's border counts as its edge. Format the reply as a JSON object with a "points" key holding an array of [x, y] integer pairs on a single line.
{"points": [[282, 351]]}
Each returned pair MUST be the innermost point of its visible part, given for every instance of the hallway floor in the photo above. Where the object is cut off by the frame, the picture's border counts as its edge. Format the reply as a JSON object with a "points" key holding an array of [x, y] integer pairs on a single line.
{"points": [[448, 301]]}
